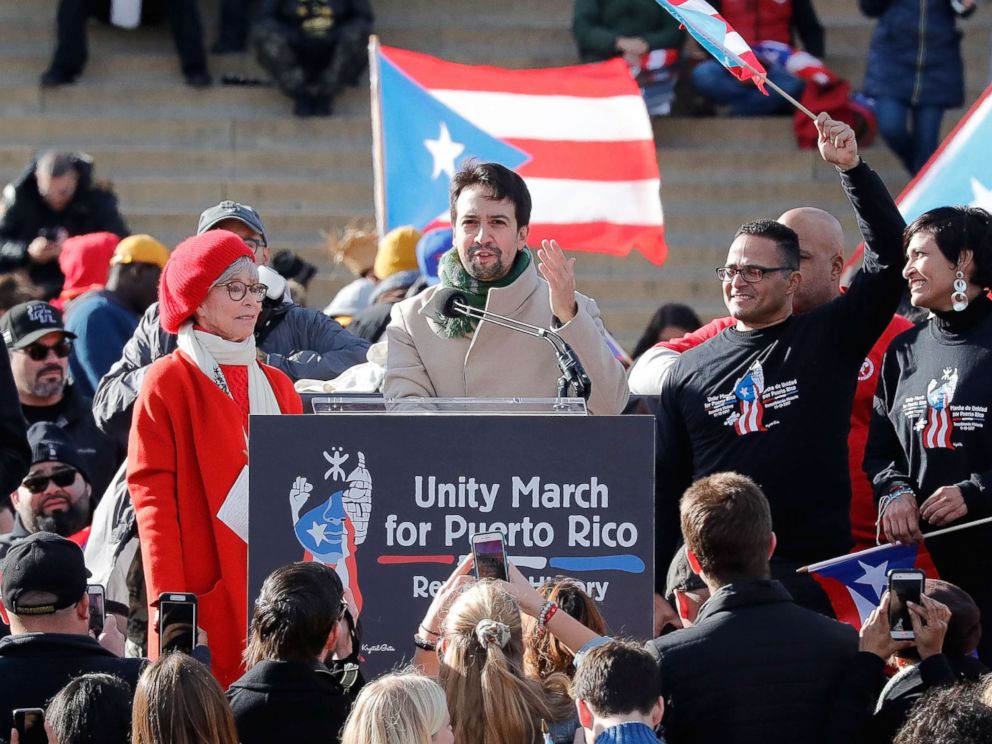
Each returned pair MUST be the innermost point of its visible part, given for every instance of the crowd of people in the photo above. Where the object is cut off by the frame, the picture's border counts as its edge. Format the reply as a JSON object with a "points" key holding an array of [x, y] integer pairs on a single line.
{"points": [[811, 421]]}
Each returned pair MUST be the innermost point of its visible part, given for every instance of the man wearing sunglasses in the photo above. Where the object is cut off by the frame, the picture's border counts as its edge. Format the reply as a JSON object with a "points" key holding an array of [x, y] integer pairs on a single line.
{"points": [[771, 396], [296, 340], [39, 349], [55, 494]]}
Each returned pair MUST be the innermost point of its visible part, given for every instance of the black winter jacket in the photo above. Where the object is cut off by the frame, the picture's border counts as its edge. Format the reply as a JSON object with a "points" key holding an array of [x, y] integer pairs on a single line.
{"points": [[15, 455], [757, 668], [35, 666], [25, 213], [288, 701]]}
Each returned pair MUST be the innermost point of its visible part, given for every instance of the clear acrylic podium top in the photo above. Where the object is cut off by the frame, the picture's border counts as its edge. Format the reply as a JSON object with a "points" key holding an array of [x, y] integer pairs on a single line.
{"points": [[372, 403]]}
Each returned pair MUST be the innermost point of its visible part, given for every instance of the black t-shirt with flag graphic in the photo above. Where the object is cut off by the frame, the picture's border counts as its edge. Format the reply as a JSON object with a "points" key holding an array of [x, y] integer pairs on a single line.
{"points": [[931, 427], [775, 404]]}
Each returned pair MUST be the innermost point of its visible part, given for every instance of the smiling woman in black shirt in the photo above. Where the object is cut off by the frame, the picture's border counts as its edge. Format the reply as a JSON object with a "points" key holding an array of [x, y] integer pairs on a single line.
{"points": [[930, 446]]}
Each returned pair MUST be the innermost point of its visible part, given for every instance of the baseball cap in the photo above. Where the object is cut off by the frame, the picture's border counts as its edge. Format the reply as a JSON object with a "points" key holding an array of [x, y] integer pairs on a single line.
{"points": [[44, 562], [231, 210], [49, 443], [681, 577], [25, 323], [140, 249], [432, 245]]}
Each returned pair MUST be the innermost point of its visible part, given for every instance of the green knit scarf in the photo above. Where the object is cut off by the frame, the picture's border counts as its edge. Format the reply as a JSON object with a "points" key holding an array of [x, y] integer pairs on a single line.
{"points": [[453, 274]]}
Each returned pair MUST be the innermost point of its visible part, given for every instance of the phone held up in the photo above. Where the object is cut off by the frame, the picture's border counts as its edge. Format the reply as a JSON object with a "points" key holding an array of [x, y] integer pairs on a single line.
{"points": [[905, 585], [30, 725], [489, 552], [176, 622], [98, 609]]}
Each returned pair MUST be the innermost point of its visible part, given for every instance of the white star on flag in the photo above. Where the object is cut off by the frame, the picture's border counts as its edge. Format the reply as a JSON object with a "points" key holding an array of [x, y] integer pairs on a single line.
{"points": [[983, 195], [444, 151], [874, 577], [317, 531]]}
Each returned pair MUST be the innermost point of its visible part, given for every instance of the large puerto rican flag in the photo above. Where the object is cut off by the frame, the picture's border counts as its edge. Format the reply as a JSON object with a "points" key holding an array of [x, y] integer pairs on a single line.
{"points": [[855, 583], [959, 173], [580, 136], [718, 38]]}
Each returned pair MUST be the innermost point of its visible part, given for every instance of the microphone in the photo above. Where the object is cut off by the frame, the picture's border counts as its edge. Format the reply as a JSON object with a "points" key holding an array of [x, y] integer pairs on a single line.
{"points": [[446, 301], [449, 302]]}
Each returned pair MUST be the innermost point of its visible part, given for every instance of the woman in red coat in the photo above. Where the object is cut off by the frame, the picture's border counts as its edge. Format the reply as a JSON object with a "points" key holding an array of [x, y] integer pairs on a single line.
{"points": [[188, 449]]}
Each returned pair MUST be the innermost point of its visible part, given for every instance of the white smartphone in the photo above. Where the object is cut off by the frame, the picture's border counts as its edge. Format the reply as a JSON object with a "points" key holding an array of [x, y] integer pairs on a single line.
{"points": [[489, 551], [905, 585]]}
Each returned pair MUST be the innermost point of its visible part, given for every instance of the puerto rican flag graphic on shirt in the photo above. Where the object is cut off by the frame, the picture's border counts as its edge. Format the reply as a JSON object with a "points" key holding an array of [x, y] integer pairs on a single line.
{"points": [[750, 409], [939, 422]]}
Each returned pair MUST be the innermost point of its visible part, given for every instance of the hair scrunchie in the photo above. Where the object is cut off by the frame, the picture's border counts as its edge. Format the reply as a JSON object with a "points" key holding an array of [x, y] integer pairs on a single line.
{"points": [[490, 631]]}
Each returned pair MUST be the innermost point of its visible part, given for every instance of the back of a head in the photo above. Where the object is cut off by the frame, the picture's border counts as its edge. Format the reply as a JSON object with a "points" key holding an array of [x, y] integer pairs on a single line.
{"points": [[727, 524], [400, 708], [92, 709], [294, 614], [177, 701], [490, 699], [948, 715], [543, 653], [618, 678]]}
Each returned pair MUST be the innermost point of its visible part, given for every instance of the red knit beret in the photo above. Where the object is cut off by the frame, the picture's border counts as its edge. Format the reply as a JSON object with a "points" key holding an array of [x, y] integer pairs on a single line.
{"points": [[191, 270]]}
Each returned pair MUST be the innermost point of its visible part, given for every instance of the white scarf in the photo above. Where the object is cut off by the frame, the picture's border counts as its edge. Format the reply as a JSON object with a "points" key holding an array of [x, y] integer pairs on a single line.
{"points": [[210, 351]]}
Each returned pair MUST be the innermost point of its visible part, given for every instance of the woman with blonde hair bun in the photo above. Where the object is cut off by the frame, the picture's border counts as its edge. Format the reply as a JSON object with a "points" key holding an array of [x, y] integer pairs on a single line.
{"points": [[480, 666], [401, 708]]}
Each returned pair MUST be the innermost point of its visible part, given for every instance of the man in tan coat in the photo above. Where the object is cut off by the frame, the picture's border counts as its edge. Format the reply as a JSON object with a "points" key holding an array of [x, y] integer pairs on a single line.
{"points": [[491, 265]]}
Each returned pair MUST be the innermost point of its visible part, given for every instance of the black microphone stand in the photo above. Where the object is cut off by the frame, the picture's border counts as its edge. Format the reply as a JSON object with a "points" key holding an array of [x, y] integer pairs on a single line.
{"points": [[574, 382]]}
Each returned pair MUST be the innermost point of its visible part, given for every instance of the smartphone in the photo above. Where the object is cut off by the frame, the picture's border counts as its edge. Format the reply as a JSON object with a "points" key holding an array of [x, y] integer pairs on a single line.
{"points": [[30, 725], [176, 622], [489, 552], [98, 608], [905, 585]]}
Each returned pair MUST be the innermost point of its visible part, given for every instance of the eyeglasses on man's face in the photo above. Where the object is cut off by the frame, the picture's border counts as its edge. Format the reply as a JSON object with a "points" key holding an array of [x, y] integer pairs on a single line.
{"points": [[39, 351], [256, 244], [750, 274], [237, 290]]}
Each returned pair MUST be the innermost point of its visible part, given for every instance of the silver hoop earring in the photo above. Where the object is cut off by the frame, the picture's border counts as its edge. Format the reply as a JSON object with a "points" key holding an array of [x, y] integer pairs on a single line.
{"points": [[959, 300]]}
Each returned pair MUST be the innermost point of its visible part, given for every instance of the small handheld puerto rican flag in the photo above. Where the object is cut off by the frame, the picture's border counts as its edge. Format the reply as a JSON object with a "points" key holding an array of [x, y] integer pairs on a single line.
{"points": [[718, 38]]}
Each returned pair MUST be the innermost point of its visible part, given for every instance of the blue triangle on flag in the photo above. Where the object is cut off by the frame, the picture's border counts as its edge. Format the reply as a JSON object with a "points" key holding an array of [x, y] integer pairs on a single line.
{"points": [[963, 174], [866, 574], [413, 121]]}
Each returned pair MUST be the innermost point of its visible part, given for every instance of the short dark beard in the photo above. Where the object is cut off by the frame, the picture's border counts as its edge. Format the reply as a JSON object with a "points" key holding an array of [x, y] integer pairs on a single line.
{"points": [[64, 523]]}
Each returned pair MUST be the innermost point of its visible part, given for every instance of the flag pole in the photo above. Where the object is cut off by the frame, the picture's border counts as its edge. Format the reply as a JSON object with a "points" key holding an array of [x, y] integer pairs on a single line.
{"points": [[841, 558], [782, 93], [378, 151]]}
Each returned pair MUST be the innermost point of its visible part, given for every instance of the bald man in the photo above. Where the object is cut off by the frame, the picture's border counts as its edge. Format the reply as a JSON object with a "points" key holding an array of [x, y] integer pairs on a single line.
{"points": [[821, 263]]}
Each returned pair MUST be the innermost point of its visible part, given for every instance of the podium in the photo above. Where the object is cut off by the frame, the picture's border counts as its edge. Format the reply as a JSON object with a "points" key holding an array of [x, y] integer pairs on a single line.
{"points": [[389, 493]]}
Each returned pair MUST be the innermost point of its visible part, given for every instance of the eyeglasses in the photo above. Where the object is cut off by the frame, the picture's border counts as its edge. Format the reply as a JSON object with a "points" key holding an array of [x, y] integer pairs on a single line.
{"points": [[39, 352], [255, 244], [62, 478], [750, 274], [237, 290]]}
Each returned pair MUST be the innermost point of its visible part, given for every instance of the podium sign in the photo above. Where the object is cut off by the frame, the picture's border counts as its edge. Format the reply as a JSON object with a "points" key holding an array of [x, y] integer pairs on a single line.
{"points": [[391, 501]]}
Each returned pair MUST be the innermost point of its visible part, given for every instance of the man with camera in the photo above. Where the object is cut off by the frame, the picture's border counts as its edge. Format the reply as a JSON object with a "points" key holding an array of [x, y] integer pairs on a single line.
{"points": [[48, 610], [55, 198]]}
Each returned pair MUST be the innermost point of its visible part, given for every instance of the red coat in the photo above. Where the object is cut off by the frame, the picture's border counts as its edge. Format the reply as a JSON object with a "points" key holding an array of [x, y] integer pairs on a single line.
{"points": [[186, 449], [863, 511]]}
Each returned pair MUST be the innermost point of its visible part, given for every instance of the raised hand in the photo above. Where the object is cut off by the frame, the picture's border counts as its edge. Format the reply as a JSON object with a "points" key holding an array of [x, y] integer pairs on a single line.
{"points": [[558, 271], [837, 142]]}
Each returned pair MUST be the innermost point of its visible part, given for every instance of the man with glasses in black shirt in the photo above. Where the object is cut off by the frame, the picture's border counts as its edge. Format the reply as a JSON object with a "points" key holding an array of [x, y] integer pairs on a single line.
{"points": [[39, 349], [771, 396]]}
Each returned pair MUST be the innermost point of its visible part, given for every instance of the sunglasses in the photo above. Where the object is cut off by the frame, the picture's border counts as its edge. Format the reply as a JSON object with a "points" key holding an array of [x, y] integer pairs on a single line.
{"points": [[61, 478], [39, 352]]}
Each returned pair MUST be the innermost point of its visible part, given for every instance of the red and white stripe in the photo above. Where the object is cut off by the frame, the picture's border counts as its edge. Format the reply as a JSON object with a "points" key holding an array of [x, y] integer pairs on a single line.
{"points": [[938, 429], [751, 417], [593, 173]]}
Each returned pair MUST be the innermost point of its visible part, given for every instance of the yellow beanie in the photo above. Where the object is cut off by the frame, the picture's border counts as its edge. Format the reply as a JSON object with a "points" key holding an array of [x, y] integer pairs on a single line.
{"points": [[397, 252]]}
